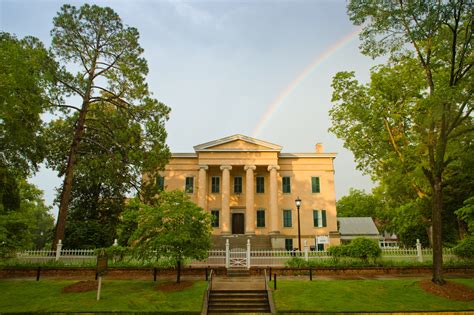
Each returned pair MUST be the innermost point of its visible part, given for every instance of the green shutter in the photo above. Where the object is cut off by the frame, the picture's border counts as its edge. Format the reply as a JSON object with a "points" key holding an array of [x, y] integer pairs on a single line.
{"points": [[315, 218], [324, 218], [315, 184]]}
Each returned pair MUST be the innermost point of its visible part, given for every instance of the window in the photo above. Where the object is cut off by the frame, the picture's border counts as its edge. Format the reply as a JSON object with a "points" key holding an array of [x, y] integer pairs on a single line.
{"points": [[260, 184], [288, 243], [260, 218], [319, 218], [286, 184], [215, 184], [315, 185], [189, 186], [215, 218], [287, 218], [237, 185], [160, 183]]}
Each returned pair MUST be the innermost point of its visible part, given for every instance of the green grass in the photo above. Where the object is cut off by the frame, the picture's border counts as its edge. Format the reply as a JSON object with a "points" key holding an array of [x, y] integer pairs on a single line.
{"points": [[362, 296], [116, 296]]}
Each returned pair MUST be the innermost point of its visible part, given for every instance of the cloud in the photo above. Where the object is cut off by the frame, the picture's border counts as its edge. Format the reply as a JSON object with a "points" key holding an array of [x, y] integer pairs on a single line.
{"points": [[193, 14]]}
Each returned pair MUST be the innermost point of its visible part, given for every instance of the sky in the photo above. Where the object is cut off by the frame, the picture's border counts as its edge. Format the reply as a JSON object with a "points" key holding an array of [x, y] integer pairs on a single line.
{"points": [[260, 68]]}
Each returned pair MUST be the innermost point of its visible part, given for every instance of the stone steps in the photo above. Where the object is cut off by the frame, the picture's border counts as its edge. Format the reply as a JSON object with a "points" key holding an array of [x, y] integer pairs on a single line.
{"points": [[238, 301]]}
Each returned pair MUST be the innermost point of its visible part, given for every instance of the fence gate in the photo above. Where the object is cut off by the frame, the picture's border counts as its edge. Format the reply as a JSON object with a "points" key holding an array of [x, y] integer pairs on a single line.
{"points": [[238, 258]]}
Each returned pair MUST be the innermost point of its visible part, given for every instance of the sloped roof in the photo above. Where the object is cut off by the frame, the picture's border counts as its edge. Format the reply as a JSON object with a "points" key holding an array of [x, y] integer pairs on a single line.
{"points": [[359, 226], [262, 145]]}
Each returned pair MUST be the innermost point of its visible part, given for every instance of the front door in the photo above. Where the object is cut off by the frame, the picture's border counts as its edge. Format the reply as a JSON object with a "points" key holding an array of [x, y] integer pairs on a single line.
{"points": [[237, 223]]}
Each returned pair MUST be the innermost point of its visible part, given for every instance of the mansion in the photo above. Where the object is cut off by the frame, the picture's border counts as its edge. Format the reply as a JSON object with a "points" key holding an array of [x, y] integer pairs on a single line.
{"points": [[250, 187]]}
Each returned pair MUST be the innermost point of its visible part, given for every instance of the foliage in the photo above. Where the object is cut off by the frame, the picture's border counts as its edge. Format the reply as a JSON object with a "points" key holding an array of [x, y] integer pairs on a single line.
{"points": [[359, 204], [465, 248], [296, 262], [26, 223], [173, 227], [364, 249], [117, 132], [409, 118], [128, 222], [466, 213], [26, 73], [115, 253], [361, 248]]}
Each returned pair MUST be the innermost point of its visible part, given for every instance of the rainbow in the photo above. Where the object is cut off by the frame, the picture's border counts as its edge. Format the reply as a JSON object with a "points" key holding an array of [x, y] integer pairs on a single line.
{"points": [[278, 101]]}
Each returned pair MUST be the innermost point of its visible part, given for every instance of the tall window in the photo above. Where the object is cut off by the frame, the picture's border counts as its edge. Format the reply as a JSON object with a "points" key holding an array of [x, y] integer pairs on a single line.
{"points": [[215, 218], [288, 243], [189, 186], [160, 183], [315, 185], [237, 185], [287, 218], [319, 218], [260, 218], [215, 184], [260, 184], [286, 184]]}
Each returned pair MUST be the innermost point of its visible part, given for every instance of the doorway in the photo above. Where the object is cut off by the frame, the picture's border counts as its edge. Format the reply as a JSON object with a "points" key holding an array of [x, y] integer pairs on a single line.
{"points": [[237, 223]]}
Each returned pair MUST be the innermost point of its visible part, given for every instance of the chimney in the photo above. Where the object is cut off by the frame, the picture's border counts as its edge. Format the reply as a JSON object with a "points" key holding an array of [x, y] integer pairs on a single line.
{"points": [[319, 147]]}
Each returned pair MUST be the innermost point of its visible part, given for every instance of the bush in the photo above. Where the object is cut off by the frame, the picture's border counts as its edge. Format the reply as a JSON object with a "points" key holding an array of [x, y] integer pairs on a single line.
{"points": [[364, 248], [296, 262], [115, 253], [465, 248], [338, 251]]}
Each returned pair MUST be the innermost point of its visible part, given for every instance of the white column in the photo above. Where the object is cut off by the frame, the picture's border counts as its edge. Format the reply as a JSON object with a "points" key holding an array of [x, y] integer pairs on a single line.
{"points": [[249, 200], [248, 253], [273, 199], [202, 189], [59, 247], [225, 205], [227, 253], [306, 250]]}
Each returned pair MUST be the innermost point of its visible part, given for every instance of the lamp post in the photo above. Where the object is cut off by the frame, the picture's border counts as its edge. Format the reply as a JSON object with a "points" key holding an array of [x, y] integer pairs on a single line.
{"points": [[298, 204]]}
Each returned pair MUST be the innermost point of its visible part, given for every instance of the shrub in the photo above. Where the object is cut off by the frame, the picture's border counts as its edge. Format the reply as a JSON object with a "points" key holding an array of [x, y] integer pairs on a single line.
{"points": [[364, 248], [339, 251], [296, 262], [116, 253], [465, 248]]}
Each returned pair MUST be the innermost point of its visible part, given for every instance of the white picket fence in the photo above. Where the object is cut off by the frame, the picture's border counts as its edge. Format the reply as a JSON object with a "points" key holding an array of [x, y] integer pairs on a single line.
{"points": [[241, 257]]}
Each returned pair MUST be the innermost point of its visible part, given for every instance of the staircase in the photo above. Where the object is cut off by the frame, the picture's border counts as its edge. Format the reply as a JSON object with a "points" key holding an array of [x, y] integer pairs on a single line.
{"points": [[238, 301], [238, 272], [258, 242]]}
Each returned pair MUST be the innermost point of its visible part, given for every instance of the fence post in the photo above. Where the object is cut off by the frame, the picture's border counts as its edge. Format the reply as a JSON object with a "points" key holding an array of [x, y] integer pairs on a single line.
{"points": [[115, 242], [274, 281], [306, 250], [227, 258], [59, 246], [419, 254], [248, 253]]}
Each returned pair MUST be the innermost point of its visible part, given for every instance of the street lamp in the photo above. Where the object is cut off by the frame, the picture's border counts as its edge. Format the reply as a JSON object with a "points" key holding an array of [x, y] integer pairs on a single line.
{"points": [[298, 204]]}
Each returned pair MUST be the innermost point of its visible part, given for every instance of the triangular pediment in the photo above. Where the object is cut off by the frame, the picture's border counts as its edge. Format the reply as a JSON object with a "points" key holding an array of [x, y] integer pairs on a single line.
{"points": [[237, 143]]}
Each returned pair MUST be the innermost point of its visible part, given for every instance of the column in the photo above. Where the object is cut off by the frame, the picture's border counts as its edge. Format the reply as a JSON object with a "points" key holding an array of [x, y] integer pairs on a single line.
{"points": [[225, 205], [273, 199], [202, 189], [249, 200]]}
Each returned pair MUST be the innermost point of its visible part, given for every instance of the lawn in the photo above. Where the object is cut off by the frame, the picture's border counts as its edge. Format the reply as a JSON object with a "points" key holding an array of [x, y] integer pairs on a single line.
{"points": [[116, 296], [361, 296]]}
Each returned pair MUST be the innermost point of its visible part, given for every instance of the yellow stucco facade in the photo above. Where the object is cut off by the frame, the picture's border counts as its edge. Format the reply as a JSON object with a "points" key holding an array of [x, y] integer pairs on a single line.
{"points": [[250, 187]]}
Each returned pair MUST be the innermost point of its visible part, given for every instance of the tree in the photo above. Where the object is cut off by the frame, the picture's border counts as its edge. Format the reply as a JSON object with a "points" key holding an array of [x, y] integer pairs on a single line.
{"points": [[358, 204], [422, 112], [110, 83], [173, 227], [26, 75]]}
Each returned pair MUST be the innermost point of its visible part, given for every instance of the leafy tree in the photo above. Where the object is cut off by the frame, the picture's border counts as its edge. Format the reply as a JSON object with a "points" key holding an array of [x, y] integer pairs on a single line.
{"points": [[358, 204], [26, 75], [415, 108], [466, 213], [115, 103], [465, 248], [174, 228]]}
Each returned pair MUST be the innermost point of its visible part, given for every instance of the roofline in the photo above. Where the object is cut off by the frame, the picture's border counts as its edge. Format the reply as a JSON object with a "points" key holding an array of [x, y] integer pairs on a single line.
{"points": [[205, 146], [306, 155], [184, 155]]}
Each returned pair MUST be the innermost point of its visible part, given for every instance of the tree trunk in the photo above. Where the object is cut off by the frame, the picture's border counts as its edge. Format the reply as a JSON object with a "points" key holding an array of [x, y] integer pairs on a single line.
{"points": [[437, 209], [178, 271], [69, 175]]}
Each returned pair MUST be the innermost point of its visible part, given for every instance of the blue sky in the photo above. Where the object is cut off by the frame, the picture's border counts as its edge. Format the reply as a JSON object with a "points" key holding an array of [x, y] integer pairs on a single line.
{"points": [[220, 64]]}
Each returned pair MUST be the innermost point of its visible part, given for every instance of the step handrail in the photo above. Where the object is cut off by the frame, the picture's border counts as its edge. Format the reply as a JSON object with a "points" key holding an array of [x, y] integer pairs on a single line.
{"points": [[265, 278], [269, 293], [208, 293]]}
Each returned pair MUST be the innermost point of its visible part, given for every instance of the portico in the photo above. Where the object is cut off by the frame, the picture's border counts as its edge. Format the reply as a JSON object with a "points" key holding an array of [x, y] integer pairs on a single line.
{"points": [[248, 186]]}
